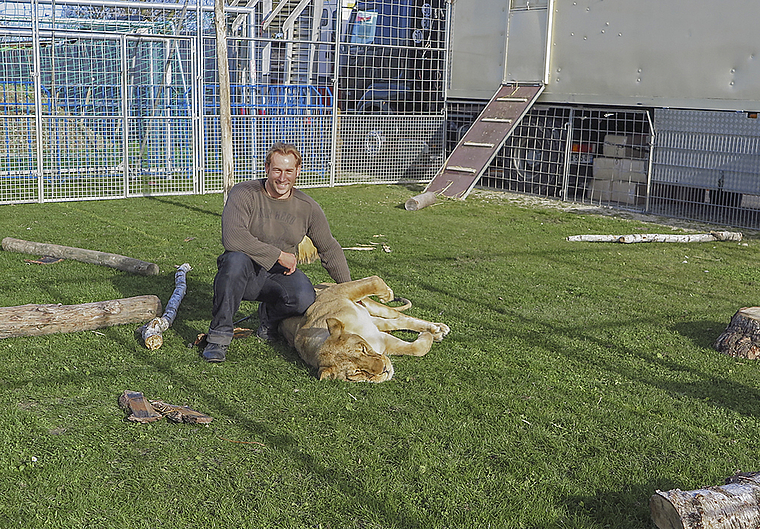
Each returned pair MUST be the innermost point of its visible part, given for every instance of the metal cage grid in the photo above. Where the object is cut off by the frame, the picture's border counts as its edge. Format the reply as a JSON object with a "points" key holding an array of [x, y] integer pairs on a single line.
{"points": [[589, 155], [126, 102], [707, 166], [122, 99]]}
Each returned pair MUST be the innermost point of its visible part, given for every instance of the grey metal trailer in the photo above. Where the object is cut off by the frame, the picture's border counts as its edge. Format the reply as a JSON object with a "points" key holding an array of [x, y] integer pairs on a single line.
{"points": [[645, 104]]}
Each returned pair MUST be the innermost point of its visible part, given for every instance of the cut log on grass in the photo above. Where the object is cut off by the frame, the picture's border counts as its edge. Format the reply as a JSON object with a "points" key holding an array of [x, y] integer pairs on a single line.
{"points": [[152, 331], [730, 506], [420, 201], [180, 413], [126, 264], [138, 407], [658, 237], [742, 336], [36, 320]]}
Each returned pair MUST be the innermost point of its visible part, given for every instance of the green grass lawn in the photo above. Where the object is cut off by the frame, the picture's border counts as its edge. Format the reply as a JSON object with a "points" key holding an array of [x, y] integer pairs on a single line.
{"points": [[578, 378]]}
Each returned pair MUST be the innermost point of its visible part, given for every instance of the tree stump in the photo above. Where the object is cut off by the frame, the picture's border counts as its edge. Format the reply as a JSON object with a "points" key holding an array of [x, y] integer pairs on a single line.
{"points": [[730, 506], [742, 336], [36, 320]]}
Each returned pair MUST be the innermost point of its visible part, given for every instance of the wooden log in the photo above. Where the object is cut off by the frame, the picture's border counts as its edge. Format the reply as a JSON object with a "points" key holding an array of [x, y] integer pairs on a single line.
{"points": [[36, 320], [126, 264], [659, 237], [742, 336], [152, 332], [730, 506], [138, 406], [420, 201], [180, 413]]}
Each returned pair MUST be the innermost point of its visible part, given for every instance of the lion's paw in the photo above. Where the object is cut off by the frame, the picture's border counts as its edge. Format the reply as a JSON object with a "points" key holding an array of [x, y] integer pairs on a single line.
{"points": [[439, 331], [386, 296]]}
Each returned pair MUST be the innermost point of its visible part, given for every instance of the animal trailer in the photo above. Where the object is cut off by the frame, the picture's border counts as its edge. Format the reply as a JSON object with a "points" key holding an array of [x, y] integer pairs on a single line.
{"points": [[650, 105]]}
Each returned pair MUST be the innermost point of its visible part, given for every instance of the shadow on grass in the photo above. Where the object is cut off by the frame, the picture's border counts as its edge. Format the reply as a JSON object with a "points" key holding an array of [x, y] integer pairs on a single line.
{"points": [[180, 204], [337, 478], [612, 508], [701, 333], [561, 340]]}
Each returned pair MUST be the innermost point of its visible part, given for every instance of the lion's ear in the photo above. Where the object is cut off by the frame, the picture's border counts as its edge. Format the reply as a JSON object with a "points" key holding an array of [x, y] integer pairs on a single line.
{"points": [[329, 373], [335, 326]]}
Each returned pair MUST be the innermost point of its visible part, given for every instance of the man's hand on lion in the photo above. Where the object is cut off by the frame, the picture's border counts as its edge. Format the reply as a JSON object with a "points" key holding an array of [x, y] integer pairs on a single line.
{"points": [[289, 261]]}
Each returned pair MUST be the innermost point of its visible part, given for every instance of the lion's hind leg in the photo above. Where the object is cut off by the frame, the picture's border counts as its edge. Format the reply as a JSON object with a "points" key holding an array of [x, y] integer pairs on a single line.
{"points": [[419, 347], [362, 288], [402, 322]]}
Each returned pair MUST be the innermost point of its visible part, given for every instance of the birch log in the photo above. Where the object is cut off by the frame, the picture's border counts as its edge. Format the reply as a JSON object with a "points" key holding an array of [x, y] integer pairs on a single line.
{"points": [[742, 336], [730, 506], [126, 264], [152, 331], [36, 320], [420, 201], [657, 237]]}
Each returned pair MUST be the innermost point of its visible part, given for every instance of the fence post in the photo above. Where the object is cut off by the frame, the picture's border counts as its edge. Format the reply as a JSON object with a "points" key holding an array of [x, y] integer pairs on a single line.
{"points": [[38, 171]]}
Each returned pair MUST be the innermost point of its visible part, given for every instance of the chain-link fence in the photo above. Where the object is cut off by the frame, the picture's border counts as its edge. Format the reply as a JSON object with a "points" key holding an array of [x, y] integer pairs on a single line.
{"points": [[122, 98]]}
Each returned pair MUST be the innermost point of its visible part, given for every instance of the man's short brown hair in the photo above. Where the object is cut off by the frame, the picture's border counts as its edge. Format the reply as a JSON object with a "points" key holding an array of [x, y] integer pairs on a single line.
{"points": [[284, 149]]}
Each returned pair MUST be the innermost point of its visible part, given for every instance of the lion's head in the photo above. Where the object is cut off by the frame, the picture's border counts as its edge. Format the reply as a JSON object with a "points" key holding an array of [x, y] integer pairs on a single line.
{"points": [[347, 356]]}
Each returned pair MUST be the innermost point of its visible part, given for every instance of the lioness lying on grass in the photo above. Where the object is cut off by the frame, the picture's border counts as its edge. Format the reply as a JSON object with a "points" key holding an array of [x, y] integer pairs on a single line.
{"points": [[346, 335]]}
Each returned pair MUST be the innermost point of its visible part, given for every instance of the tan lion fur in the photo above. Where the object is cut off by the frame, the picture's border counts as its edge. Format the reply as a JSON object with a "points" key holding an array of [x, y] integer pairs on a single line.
{"points": [[346, 335]]}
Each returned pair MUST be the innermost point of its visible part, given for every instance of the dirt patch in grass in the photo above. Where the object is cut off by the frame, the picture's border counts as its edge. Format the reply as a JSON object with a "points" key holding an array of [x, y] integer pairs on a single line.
{"points": [[530, 201]]}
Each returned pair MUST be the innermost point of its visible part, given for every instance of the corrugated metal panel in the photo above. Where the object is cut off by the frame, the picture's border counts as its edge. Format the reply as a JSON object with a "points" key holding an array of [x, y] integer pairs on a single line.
{"points": [[679, 54], [710, 150]]}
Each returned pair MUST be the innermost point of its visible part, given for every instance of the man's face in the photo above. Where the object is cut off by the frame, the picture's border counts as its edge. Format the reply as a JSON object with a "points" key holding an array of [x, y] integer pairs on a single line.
{"points": [[282, 173]]}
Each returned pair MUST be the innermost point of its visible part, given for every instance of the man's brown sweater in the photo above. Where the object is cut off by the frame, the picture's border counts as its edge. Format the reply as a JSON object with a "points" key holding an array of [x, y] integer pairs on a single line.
{"points": [[260, 226]]}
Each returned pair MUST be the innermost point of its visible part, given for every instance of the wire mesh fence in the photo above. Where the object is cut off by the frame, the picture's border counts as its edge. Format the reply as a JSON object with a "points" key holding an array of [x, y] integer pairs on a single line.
{"points": [[122, 98], [595, 156]]}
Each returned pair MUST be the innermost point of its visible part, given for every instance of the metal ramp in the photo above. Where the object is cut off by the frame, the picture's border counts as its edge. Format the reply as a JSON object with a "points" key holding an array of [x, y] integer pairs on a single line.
{"points": [[486, 136]]}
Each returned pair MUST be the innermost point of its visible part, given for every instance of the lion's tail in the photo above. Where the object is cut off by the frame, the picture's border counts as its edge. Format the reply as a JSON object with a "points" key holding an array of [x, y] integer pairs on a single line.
{"points": [[307, 253], [406, 304]]}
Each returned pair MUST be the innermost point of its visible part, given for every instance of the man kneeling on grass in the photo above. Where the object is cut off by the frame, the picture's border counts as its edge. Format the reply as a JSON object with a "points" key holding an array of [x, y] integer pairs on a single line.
{"points": [[263, 222]]}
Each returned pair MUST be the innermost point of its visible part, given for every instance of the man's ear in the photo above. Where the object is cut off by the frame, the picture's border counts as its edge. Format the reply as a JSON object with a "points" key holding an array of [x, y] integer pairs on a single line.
{"points": [[335, 326]]}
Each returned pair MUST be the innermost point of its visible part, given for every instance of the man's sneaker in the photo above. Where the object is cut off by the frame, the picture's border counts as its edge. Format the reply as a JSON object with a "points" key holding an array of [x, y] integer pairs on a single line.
{"points": [[215, 352], [267, 334]]}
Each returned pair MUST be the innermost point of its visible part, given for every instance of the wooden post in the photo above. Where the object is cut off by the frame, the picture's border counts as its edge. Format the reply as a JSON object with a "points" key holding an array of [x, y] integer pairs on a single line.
{"points": [[742, 336], [225, 113], [730, 506], [37, 320], [127, 264]]}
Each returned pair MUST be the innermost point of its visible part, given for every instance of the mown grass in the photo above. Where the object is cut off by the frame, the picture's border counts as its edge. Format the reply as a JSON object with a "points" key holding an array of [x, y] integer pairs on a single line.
{"points": [[577, 379]]}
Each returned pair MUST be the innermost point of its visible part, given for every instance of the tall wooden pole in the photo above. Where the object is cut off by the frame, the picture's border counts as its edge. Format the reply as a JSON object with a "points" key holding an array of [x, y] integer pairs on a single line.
{"points": [[225, 117]]}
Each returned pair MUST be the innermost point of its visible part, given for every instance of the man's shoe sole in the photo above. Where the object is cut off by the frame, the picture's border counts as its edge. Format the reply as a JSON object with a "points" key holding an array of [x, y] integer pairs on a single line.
{"points": [[214, 353]]}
